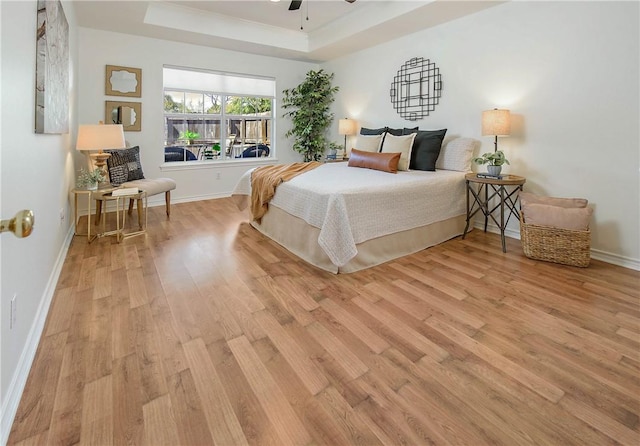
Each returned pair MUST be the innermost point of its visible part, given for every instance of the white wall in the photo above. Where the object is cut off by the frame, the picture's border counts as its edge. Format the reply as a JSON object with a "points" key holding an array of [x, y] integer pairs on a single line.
{"points": [[36, 173], [569, 73], [99, 48]]}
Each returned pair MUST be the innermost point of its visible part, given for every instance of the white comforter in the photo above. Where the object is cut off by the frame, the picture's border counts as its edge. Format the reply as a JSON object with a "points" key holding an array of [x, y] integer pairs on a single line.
{"points": [[351, 205]]}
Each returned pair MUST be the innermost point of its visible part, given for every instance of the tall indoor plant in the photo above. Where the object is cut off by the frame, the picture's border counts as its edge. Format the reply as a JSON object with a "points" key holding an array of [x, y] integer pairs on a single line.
{"points": [[308, 106]]}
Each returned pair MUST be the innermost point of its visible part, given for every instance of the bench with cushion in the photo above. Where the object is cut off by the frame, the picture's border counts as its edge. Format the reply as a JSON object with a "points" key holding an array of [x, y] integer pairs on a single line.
{"points": [[125, 170]]}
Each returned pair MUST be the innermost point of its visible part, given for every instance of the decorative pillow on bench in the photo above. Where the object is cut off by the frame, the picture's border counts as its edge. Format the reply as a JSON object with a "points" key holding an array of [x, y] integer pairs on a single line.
{"points": [[386, 162], [124, 165]]}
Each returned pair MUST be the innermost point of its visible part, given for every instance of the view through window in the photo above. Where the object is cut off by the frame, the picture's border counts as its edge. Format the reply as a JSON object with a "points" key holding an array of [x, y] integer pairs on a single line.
{"points": [[216, 116]]}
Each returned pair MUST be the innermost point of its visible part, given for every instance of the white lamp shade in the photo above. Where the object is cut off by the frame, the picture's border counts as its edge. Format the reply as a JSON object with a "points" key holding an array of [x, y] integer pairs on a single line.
{"points": [[496, 122], [100, 137], [346, 127]]}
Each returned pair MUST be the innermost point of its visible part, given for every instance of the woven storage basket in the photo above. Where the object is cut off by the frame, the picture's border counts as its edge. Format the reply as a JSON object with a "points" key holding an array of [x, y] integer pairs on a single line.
{"points": [[564, 246]]}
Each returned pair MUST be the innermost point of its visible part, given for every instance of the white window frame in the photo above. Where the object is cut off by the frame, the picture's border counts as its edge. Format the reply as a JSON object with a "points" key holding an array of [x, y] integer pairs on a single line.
{"points": [[223, 118]]}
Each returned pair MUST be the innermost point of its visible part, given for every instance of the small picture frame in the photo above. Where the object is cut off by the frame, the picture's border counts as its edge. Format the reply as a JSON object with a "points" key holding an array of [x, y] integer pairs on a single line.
{"points": [[123, 81], [129, 114]]}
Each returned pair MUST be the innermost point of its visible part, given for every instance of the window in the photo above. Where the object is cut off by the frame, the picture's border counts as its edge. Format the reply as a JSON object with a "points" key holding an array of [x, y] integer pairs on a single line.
{"points": [[216, 116]]}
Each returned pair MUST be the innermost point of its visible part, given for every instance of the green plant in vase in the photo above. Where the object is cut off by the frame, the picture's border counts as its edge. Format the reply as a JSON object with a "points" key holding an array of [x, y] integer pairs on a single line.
{"points": [[309, 109], [211, 151], [90, 179], [189, 136], [494, 161], [333, 149]]}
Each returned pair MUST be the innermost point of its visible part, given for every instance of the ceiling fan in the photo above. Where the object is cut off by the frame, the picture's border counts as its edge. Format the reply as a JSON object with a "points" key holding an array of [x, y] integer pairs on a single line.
{"points": [[295, 4]]}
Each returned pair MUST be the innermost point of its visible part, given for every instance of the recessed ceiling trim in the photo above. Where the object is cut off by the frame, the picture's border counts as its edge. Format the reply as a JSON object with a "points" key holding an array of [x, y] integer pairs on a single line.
{"points": [[196, 21], [371, 15]]}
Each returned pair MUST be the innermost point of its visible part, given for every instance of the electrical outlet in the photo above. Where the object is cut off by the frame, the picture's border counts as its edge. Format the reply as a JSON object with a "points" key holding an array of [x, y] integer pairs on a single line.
{"points": [[62, 214], [218, 176], [14, 311]]}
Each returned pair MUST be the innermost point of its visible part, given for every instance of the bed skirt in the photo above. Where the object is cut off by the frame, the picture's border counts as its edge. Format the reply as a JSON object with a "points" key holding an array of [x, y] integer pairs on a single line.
{"points": [[300, 238]]}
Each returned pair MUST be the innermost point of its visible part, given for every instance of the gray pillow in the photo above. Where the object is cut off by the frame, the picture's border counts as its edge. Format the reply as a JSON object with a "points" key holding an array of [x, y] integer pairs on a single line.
{"points": [[124, 164], [366, 131]]}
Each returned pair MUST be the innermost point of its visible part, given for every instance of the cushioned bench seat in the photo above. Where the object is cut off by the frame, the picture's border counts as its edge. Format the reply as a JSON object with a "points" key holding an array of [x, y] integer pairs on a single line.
{"points": [[153, 187], [125, 170]]}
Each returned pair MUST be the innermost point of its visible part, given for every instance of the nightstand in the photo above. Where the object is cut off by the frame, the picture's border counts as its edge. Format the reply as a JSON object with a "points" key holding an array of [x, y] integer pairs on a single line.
{"points": [[505, 190]]}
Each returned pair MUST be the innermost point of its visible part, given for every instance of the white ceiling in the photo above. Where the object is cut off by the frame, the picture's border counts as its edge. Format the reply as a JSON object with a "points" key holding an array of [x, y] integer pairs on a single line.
{"points": [[335, 27]]}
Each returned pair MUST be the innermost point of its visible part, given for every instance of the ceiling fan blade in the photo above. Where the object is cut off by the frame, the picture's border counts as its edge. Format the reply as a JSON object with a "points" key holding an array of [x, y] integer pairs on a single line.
{"points": [[295, 5]]}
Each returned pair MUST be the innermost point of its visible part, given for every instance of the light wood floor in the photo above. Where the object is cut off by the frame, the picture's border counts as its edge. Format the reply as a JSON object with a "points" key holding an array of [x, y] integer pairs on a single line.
{"points": [[204, 332]]}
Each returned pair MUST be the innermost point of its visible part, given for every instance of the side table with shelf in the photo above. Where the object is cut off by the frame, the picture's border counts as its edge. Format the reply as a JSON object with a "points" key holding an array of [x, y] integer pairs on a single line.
{"points": [[89, 194], [506, 190], [105, 195], [120, 202]]}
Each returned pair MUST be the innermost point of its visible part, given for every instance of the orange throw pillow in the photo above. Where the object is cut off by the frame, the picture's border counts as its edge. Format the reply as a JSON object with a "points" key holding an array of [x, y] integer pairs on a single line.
{"points": [[386, 162]]}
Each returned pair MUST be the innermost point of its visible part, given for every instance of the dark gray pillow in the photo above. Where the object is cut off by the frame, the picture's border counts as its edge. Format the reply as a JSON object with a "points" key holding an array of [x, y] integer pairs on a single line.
{"points": [[124, 165], [366, 131], [426, 148], [400, 132]]}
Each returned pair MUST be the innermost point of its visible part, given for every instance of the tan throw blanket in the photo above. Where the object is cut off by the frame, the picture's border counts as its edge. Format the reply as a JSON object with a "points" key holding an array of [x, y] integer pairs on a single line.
{"points": [[264, 181]]}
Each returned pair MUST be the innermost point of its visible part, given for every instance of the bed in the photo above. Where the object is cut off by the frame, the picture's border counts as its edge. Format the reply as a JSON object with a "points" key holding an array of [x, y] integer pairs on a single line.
{"points": [[343, 219]]}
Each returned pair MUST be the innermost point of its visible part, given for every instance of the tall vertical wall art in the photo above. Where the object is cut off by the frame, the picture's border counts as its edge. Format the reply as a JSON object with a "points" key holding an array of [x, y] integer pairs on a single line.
{"points": [[52, 68]]}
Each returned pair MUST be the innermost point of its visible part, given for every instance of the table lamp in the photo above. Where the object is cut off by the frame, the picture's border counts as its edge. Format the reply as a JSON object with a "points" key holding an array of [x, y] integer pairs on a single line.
{"points": [[100, 137], [346, 127], [496, 123]]}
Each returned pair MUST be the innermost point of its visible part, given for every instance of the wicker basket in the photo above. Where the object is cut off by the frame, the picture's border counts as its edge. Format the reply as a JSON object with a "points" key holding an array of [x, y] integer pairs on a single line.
{"points": [[564, 246]]}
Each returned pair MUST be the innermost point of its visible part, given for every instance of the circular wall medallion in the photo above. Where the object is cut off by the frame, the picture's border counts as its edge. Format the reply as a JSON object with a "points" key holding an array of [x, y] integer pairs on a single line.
{"points": [[416, 88]]}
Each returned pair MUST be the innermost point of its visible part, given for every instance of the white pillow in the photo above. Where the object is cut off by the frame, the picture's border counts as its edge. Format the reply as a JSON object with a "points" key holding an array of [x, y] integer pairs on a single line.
{"points": [[402, 144], [456, 155], [368, 143]]}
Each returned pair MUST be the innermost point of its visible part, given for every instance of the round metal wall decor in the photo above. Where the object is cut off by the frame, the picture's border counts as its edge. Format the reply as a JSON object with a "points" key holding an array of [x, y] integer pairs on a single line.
{"points": [[416, 88]]}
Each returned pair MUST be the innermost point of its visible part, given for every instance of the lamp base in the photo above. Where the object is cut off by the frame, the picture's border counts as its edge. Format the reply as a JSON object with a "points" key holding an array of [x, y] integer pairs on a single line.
{"points": [[100, 159]]}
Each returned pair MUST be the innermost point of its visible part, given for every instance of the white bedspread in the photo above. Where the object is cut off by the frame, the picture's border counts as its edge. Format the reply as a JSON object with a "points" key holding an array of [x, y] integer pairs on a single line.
{"points": [[351, 205]]}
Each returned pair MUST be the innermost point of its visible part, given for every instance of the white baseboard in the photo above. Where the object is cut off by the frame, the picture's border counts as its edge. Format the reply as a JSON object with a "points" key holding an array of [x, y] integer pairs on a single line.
{"points": [[608, 257], [616, 259], [491, 227], [19, 379], [198, 198]]}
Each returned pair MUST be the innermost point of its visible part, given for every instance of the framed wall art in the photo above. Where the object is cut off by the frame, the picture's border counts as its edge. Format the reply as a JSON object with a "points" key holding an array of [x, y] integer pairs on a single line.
{"points": [[123, 81], [129, 114], [416, 89], [52, 68]]}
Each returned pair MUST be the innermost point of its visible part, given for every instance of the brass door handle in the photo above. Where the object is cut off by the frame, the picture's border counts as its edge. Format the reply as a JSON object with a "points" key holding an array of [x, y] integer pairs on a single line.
{"points": [[21, 225]]}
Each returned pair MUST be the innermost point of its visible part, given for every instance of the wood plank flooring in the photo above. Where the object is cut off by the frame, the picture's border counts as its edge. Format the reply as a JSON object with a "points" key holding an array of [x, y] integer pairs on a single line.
{"points": [[204, 332]]}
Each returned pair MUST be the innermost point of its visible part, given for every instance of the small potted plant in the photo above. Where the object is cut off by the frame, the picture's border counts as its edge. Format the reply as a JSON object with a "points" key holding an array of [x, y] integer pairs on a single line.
{"points": [[494, 160], [189, 136], [334, 148], [90, 179], [211, 152]]}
